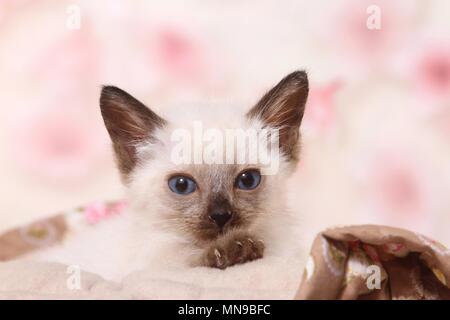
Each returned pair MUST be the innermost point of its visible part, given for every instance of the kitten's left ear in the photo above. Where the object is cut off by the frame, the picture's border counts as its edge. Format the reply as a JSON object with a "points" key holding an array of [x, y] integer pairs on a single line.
{"points": [[282, 108], [129, 123]]}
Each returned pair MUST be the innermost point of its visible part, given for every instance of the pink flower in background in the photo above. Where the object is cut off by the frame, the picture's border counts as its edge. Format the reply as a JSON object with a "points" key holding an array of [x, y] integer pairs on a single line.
{"points": [[432, 72], [360, 45], [398, 192], [397, 188], [320, 113], [424, 65], [180, 60], [179, 56], [58, 144]]}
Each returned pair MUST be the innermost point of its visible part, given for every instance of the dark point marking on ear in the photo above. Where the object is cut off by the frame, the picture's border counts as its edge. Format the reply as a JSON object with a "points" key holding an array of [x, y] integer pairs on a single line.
{"points": [[282, 107], [129, 123]]}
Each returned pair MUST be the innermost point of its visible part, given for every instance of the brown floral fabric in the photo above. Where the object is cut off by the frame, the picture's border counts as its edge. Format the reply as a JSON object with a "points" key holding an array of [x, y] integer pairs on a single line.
{"points": [[375, 262], [47, 232], [39, 234], [356, 262]]}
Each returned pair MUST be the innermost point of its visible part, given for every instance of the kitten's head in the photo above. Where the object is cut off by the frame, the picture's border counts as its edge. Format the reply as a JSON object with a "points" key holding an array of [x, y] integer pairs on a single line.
{"points": [[198, 199]]}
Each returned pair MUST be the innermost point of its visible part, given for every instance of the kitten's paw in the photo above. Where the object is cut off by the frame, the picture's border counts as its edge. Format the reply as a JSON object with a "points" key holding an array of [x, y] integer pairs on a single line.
{"points": [[230, 250]]}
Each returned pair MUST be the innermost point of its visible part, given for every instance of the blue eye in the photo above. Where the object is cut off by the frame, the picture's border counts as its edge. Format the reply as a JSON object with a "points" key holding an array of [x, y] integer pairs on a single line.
{"points": [[182, 185], [248, 180]]}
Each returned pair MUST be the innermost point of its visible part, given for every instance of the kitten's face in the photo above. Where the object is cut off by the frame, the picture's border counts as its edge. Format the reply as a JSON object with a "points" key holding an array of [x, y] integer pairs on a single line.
{"points": [[220, 197], [203, 200]]}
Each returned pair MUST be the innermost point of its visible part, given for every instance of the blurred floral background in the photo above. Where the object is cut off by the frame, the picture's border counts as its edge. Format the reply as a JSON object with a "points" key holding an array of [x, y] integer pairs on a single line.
{"points": [[376, 131]]}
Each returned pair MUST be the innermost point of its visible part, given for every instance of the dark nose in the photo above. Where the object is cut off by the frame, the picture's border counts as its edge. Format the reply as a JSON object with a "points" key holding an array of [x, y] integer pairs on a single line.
{"points": [[220, 217]]}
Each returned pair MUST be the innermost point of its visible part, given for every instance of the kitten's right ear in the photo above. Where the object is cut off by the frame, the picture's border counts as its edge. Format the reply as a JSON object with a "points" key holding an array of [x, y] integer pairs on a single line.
{"points": [[129, 123], [282, 107]]}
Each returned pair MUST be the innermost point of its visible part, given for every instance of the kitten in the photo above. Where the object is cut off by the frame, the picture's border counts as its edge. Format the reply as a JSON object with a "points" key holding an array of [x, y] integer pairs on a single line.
{"points": [[191, 214]]}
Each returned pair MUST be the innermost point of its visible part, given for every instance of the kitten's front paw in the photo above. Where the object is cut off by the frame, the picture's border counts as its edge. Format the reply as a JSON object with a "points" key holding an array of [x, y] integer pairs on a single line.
{"points": [[233, 249]]}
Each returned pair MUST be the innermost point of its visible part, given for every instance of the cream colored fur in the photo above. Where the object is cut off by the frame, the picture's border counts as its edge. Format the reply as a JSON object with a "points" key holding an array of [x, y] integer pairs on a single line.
{"points": [[138, 239]]}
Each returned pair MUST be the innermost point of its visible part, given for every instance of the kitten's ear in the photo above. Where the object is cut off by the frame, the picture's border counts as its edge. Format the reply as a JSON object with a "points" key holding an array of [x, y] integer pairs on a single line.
{"points": [[129, 123], [282, 108]]}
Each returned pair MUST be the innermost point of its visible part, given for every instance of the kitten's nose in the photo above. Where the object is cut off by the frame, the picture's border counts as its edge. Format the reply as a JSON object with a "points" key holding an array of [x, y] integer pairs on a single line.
{"points": [[220, 217]]}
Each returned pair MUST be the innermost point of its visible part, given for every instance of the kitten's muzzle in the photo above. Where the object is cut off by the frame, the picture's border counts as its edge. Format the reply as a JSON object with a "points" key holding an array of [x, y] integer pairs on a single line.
{"points": [[220, 217]]}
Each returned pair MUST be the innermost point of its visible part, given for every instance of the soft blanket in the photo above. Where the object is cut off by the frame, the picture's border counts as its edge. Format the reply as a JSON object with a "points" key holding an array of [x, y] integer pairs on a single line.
{"points": [[356, 262]]}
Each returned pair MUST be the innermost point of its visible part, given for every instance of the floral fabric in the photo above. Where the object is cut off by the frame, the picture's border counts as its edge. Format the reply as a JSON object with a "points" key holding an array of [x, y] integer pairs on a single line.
{"points": [[375, 262]]}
